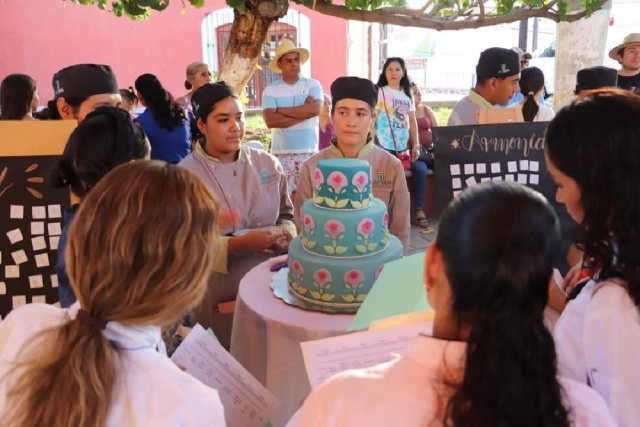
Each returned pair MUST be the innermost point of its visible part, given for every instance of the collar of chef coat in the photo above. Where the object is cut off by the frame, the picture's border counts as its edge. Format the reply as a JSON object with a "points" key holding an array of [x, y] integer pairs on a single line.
{"points": [[433, 353], [128, 337], [200, 150], [362, 153]]}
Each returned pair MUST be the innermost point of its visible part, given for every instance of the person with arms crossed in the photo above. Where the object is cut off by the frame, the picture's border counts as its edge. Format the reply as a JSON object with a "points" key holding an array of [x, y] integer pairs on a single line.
{"points": [[290, 107]]}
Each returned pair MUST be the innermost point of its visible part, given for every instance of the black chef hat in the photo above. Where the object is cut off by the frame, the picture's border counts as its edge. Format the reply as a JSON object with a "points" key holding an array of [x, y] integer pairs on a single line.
{"points": [[209, 95], [84, 80], [497, 62], [596, 78], [354, 88]]}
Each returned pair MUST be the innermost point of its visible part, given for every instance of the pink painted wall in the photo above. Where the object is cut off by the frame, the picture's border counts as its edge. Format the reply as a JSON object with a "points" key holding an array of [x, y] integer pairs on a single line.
{"points": [[39, 37]]}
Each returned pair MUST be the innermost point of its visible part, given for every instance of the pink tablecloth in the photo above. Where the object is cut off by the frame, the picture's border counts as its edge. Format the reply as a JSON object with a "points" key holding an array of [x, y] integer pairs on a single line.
{"points": [[266, 339]]}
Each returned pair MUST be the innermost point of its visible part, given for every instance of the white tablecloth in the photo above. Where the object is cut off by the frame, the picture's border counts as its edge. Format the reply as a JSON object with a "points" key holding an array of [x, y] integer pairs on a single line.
{"points": [[266, 339]]}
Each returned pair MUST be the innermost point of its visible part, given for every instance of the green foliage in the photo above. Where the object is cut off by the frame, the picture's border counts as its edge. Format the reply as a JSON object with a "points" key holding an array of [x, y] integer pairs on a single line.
{"points": [[141, 9]]}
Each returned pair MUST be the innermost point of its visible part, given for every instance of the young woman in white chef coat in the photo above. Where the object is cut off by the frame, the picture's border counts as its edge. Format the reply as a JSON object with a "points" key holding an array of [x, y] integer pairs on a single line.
{"points": [[132, 266], [491, 360], [593, 155], [246, 181]]}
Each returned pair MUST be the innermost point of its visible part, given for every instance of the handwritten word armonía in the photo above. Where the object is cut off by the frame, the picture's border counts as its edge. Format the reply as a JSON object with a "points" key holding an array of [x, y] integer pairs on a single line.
{"points": [[525, 145]]}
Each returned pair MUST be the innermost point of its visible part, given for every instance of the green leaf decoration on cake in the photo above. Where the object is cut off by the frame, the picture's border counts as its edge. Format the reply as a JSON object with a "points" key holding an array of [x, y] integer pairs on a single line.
{"points": [[344, 190], [356, 204], [311, 245], [341, 249], [304, 240], [362, 249], [353, 190], [342, 203], [316, 294], [366, 202], [372, 246], [302, 290], [348, 298], [330, 190], [329, 250], [318, 200], [330, 202], [360, 297], [384, 240], [327, 297]]}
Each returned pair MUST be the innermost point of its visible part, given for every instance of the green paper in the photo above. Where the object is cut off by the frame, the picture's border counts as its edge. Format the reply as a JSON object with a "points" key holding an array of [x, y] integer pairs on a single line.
{"points": [[398, 290], [268, 425], [210, 332]]}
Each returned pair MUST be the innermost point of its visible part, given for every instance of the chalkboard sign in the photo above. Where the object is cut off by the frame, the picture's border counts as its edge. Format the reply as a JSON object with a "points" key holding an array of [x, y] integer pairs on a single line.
{"points": [[470, 155], [30, 211]]}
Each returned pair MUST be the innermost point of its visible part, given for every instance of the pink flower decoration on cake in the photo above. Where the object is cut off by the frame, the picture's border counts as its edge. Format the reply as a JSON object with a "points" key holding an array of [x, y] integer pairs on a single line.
{"points": [[385, 220], [360, 180], [334, 228], [297, 268], [353, 278], [322, 276], [337, 181], [365, 227], [318, 178], [309, 223], [378, 271]]}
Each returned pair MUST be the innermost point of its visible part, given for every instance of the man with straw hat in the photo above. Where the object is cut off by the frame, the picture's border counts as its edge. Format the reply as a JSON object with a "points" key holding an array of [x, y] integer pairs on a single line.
{"points": [[628, 55], [290, 107]]}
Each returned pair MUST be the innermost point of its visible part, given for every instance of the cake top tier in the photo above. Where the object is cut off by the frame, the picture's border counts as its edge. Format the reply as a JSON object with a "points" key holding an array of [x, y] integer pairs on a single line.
{"points": [[342, 184]]}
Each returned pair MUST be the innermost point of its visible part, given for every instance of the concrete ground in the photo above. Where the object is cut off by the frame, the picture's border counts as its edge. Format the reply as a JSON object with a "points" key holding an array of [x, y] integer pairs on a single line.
{"points": [[421, 238]]}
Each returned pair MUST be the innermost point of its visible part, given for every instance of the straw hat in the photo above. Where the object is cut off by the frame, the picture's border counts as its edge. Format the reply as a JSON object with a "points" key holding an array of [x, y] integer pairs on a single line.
{"points": [[283, 48], [631, 39]]}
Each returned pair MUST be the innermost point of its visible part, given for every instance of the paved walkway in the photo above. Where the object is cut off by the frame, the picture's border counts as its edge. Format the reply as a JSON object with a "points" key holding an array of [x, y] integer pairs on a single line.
{"points": [[420, 240]]}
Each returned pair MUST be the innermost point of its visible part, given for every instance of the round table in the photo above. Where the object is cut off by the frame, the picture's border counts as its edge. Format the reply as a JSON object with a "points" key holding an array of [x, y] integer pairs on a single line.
{"points": [[266, 339]]}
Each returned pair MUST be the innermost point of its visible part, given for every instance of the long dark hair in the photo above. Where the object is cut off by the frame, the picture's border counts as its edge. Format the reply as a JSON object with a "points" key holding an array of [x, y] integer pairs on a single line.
{"points": [[594, 141], [499, 265], [16, 96], [167, 112], [531, 82], [405, 83], [105, 139]]}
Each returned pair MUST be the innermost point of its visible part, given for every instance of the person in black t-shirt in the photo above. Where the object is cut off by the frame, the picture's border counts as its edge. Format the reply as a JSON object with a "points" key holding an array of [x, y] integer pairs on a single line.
{"points": [[628, 55]]}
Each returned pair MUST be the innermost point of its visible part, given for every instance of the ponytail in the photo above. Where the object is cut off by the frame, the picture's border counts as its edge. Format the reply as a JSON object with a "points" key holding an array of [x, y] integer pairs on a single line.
{"points": [[498, 267], [510, 372], [65, 377], [531, 82], [165, 110], [530, 108]]}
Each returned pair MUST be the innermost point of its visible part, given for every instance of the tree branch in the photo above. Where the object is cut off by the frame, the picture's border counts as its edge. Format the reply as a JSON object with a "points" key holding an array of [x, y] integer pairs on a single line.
{"points": [[405, 17], [481, 6]]}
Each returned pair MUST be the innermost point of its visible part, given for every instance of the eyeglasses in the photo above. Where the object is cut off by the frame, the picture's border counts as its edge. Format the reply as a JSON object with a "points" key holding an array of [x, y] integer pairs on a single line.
{"points": [[524, 62]]}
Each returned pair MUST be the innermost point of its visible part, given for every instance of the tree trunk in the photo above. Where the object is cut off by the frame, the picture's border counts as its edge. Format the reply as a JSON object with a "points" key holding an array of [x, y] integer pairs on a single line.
{"points": [[248, 33], [580, 45]]}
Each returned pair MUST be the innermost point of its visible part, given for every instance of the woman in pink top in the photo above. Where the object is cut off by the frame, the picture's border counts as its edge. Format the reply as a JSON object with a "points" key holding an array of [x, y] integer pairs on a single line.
{"points": [[490, 360], [326, 129]]}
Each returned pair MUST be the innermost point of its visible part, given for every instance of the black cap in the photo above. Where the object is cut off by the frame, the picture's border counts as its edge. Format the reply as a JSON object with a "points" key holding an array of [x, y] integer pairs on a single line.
{"points": [[84, 80], [596, 78], [208, 95], [354, 88], [497, 62]]}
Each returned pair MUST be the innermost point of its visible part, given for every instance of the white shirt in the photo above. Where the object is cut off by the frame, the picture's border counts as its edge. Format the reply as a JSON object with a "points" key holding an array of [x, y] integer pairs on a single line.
{"points": [[401, 393], [545, 113], [151, 390], [598, 342]]}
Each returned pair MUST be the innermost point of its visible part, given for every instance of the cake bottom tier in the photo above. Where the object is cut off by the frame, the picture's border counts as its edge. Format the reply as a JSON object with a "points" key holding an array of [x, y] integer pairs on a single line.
{"points": [[339, 283]]}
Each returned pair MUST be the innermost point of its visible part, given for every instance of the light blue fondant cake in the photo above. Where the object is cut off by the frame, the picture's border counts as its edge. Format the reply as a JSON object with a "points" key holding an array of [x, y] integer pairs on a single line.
{"points": [[344, 241]]}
